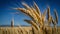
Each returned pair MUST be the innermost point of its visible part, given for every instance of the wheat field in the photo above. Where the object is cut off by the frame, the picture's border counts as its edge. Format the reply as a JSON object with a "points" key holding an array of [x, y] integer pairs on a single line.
{"points": [[14, 30], [17, 30]]}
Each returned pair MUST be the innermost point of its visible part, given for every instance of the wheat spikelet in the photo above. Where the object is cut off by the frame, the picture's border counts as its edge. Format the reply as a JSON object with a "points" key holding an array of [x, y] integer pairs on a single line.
{"points": [[49, 17], [44, 16], [48, 12], [34, 11], [37, 15], [34, 15], [37, 9], [26, 6], [27, 12], [34, 24], [30, 10], [56, 15]]}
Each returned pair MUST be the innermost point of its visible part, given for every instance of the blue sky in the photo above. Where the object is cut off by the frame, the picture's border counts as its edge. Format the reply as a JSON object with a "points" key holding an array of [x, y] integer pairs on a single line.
{"points": [[6, 13]]}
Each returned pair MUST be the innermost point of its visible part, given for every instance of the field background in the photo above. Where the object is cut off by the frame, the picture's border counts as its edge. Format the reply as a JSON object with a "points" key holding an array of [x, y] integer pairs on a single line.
{"points": [[17, 30]]}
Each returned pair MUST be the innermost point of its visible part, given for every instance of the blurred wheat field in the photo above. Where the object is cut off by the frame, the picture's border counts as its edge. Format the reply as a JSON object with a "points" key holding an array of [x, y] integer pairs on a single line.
{"points": [[58, 30], [17, 30], [14, 30]]}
